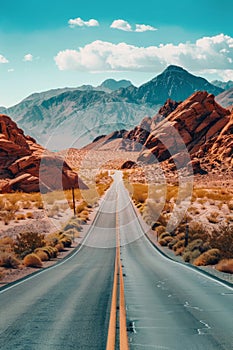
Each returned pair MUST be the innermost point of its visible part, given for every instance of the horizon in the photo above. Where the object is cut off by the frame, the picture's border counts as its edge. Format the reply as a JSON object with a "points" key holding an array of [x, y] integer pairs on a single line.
{"points": [[70, 44]]}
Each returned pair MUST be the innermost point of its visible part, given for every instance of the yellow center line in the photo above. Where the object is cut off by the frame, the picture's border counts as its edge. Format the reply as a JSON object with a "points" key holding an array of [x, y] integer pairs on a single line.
{"points": [[111, 341]]}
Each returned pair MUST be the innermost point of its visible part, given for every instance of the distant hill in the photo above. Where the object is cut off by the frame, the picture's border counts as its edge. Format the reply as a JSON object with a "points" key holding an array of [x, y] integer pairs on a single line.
{"points": [[73, 117], [226, 85], [226, 98]]}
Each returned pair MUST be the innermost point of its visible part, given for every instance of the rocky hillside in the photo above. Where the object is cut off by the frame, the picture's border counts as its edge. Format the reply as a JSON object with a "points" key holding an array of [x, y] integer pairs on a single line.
{"points": [[225, 85], [26, 166], [226, 98], [81, 114], [204, 127]]}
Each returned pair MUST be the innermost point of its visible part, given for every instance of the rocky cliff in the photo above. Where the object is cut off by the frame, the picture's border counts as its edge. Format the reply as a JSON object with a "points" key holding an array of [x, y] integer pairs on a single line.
{"points": [[26, 166]]}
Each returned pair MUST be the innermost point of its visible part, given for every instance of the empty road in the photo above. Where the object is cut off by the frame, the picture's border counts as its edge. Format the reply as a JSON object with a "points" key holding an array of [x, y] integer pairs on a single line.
{"points": [[168, 305]]}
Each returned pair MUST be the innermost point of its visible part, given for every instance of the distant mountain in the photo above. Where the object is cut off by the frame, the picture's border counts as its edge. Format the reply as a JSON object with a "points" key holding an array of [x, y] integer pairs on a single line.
{"points": [[226, 98], [73, 117], [113, 85], [226, 85], [175, 83]]}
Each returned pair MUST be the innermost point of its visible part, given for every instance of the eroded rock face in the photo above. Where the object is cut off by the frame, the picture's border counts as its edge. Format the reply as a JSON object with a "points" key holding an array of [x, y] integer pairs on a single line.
{"points": [[24, 162], [199, 125]]}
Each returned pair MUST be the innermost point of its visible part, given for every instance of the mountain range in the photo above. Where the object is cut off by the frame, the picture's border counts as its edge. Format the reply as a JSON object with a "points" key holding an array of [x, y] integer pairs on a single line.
{"points": [[73, 117]]}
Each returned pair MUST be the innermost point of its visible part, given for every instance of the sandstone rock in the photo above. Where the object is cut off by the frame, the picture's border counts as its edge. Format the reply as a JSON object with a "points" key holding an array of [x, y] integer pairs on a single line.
{"points": [[195, 125], [26, 166]]}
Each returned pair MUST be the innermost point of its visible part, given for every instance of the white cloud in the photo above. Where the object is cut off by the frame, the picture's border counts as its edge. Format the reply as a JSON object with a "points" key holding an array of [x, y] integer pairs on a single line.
{"points": [[125, 26], [121, 25], [206, 53], [3, 59], [10, 70], [144, 28], [28, 57], [78, 22]]}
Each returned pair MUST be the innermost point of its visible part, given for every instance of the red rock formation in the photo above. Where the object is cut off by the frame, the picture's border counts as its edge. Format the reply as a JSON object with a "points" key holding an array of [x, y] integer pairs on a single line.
{"points": [[199, 125], [26, 166]]}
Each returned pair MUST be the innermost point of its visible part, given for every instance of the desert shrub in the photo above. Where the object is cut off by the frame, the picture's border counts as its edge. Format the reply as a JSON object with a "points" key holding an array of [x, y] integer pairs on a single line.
{"points": [[172, 243], [26, 205], [66, 241], [140, 192], [27, 242], [162, 242], [6, 244], [32, 260], [59, 246], [164, 235], [222, 239], [73, 224], [230, 205], [8, 260], [210, 257], [42, 255], [179, 251], [160, 230], [179, 244], [196, 244], [29, 215], [225, 265], [190, 255], [7, 216], [213, 217], [20, 216]]}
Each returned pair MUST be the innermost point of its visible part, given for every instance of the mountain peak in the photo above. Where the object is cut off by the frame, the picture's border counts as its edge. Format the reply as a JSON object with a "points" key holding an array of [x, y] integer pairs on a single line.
{"points": [[172, 68], [113, 84]]}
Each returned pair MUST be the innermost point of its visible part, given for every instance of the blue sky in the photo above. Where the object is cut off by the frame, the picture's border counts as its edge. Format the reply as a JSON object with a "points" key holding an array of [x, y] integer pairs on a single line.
{"points": [[40, 49]]}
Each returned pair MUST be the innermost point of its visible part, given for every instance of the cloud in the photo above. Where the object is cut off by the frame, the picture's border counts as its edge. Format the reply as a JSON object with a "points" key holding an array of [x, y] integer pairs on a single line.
{"points": [[3, 59], [125, 26], [121, 25], [144, 28], [78, 22], [10, 70], [28, 58], [206, 53]]}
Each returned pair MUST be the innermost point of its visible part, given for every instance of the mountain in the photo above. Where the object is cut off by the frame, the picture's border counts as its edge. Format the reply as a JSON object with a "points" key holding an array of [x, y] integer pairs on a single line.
{"points": [[174, 82], [27, 166], [113, 85], [73, 117], [226, 98], [226, 85]]}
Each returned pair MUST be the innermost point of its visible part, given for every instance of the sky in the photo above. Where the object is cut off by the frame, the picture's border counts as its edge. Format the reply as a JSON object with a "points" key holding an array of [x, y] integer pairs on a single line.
{"points": [[50, 44]]}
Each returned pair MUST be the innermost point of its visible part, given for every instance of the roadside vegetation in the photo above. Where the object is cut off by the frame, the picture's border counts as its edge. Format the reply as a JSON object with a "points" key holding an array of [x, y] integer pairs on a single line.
{"points": [[202, 234], [33, 249]]}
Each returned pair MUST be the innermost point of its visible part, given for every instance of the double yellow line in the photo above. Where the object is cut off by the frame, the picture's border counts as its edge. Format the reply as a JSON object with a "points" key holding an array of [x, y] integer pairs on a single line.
{"points": [[118, 281]]}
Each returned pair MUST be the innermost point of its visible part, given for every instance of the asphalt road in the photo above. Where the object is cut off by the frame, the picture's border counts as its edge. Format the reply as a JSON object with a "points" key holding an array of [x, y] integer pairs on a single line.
{"points": [[169, 306], [68, 306]]}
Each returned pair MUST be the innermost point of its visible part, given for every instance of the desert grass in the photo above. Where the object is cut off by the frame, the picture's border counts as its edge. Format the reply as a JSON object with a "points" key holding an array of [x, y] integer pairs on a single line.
{"points": [[225, 265], [32, 260]]}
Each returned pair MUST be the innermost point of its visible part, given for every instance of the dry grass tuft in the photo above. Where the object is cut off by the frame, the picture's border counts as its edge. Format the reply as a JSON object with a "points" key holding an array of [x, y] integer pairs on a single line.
{"points": [[32, 260], [210, 257], [225, 265]]}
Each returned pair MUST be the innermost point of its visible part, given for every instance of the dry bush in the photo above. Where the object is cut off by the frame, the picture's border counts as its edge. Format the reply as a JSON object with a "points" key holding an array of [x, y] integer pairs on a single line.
{"points": [[39, 205], [27, 242], [190, 256], [7, 216], [178, 245], [26, 205], [213, 217], [80, 207], [225, 265], [42, 255], [230, 205], [29, 215], [8, 260], [210, 257], [54, 211], [32, 260], [222, 239], [20, 216], [59, 246], [74, 223], [140, 192]]}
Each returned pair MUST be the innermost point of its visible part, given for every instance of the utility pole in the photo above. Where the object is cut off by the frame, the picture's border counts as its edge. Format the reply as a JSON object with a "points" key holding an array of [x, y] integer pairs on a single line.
{"points": [[73, 196], [186, 238]]}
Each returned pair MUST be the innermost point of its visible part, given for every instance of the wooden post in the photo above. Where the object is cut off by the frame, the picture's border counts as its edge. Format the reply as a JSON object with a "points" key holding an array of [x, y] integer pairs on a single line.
{"points": [[186, 241], [73, 196]]}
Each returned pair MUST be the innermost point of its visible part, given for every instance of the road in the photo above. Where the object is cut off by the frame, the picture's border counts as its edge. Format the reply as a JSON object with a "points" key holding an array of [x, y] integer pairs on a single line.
{"points": [[169, 305], [68, 306]]}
